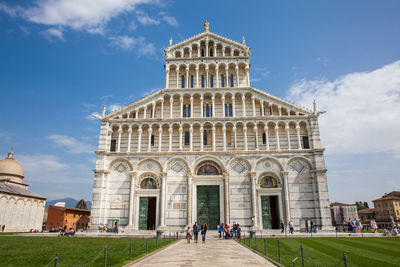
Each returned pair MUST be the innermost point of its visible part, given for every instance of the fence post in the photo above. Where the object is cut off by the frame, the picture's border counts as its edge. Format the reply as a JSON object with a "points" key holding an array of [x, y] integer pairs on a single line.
{"points": [[302, 255], [344, 259], [147, 246], [279, 252], [265, 247], [130, 251], [105, 256], [336, 230], [255, 242], [163, 241], [56, 261]]}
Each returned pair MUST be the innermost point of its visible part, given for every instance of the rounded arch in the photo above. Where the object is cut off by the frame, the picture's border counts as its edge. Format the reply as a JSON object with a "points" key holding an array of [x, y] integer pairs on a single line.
{"points": [[210, 158], [171, 160], [301, 158], [265, 180], [149, 168], [117, 160], [144, 181], [275, 160]]}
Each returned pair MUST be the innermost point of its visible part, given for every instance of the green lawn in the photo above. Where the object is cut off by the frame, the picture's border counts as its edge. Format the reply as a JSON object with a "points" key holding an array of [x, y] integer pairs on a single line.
{"points": [[328, 251], [39, 251]]}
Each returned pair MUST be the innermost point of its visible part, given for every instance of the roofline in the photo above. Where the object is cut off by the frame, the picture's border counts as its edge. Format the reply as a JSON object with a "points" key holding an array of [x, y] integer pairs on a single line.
{"points": [[16, 194]]}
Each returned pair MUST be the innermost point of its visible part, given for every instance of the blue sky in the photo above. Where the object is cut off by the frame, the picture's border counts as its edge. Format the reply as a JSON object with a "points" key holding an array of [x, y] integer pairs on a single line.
{"points": [[60, 61]]}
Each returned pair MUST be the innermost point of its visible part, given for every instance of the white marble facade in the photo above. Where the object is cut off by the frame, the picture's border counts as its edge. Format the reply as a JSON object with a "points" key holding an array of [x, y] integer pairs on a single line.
{"points": [[210, 127]]}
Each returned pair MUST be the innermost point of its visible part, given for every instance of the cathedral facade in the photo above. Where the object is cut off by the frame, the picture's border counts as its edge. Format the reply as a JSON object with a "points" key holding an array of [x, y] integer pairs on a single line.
{"points": [[209, 148]]}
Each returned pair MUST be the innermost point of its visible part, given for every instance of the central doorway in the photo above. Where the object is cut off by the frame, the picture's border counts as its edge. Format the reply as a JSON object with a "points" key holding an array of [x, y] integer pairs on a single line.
{"points": [[208, 205], [269, 212], [147, 213]]}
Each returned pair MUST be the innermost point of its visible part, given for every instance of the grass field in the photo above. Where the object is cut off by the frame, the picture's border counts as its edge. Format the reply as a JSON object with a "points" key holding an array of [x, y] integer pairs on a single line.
{"points": [[39, 251], [329, 251]]}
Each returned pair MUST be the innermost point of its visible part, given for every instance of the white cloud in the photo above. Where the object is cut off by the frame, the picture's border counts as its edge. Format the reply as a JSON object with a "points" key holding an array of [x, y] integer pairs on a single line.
{"points": [[72, 145], [132, 26], [322, 61], [11, 11], [145, 19], [114, 107], [363, 110], [171, 20], [123, 42], [53, 34], [143, 48]]}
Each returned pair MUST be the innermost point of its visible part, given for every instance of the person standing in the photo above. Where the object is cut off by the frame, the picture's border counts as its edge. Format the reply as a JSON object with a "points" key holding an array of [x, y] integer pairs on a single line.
{"points": [[291, 228], [220, 229], [196, 232], [307, 226], [312, 226], [2, 228], [203, 232]]}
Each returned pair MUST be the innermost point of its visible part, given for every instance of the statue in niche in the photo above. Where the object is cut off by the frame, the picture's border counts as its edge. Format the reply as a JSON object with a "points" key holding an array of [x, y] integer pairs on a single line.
{"points": [[148, 183], [268, 182], [207, 170]]}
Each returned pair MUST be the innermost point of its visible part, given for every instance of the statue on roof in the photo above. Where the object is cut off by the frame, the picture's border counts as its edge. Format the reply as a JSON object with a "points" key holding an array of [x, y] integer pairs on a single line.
{"points": [[243, 41], [315, 106], [170, 41], [103, 112], [206, 26]]}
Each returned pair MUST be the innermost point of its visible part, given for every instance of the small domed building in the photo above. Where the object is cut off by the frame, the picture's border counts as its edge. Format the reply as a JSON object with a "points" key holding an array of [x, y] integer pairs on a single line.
{"points": [[20, 209]]}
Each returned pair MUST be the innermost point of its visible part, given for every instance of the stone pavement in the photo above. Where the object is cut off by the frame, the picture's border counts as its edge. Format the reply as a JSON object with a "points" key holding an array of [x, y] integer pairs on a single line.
{"points": [[213, 252]]}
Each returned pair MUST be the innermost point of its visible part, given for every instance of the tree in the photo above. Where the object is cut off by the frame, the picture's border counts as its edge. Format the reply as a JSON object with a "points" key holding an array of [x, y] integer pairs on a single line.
{"points": [[81, 204], [362, 205]]}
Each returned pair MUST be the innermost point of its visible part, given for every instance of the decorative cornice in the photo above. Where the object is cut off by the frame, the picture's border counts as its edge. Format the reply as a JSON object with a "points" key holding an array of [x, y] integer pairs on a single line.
{"points": [[319, 170], [101, 171]]}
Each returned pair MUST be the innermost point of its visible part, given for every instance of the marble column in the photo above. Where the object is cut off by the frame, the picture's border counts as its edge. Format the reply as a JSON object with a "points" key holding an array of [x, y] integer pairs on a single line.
{"points": [[226, 197], [213, 106], [187, 77], [253, 198], [191, 107], [298, 136], [234, 106], [244, 105], [160, 138], [167, 78], [287, 128], [145, 112], [153, 110], [277, 137], [201, 137], [150, 131], [162, 108], [139, 138], [266, 137], [262, 109], [255, 128], [119, 139], [224, 136], [286, 192], [129, 138], [213, 137], [162, 198], [131, 198], [177, 77], [191, 137], [247, 76], [253, 102], [202, 106], [197, 77], [180, 137], [237, 76], [245, 138], [189, 199], [223, 106], [170, 138], [181, 101], [171, 101], [234, 137]]}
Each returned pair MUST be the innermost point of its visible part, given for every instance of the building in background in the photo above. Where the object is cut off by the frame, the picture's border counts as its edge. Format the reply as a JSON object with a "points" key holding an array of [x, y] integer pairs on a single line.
{"points": [[209, 148], [366, 215], [387, 210], [76, 219], [341, 213], [20, 209]]}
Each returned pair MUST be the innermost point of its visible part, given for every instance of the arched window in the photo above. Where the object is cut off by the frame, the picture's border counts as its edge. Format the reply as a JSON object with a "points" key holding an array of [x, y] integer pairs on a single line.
{"points": [[205, 137], [184, 111], [152, 140], [222, 80], [188, 111], [268, 182], [211, 52], [231, 78], [264, 138], [207, 110], [212, 81], [183, 81], [202, 52], [191, 81], [187, 138], [208, 167], [226, 110], [202, 81], [148, 182], [230, 110]]}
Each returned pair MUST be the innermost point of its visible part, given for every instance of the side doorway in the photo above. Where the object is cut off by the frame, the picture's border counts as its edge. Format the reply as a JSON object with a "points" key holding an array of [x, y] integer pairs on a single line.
{"points": [[147, 213]]}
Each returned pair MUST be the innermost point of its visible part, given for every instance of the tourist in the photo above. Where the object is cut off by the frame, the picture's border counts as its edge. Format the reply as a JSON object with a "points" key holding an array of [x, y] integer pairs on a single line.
{"points": [[2, 228], [291, 228], [203, 232], [374, 227], [65, 226], [349, 226], [116, 227], [307, 226], [312, 226], [395, 233], [196, 232], [226, 231], [220, 229], [89, 226], [282, 226], [188, 235]]}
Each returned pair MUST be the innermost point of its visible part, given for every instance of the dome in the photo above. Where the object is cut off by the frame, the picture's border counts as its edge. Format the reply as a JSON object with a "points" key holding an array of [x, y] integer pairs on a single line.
{"points": [[9, 166]]}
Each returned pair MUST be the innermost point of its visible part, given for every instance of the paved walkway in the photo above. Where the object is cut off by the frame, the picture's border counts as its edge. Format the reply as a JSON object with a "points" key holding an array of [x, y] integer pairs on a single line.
{"points": [[212, 253]]}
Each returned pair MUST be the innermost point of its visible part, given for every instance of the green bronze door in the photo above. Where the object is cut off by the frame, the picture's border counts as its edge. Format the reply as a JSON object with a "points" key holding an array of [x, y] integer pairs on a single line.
{"points": [[208, 205], [143, 211], [266, 212]]}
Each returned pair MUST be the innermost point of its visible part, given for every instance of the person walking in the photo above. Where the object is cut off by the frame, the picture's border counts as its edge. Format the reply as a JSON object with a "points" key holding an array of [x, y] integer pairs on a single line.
{"points": [[282, 227], [196, 232], [312, 226], [291, 228], [220, 229], [188, 235], [2, 228], [203, 232]]}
